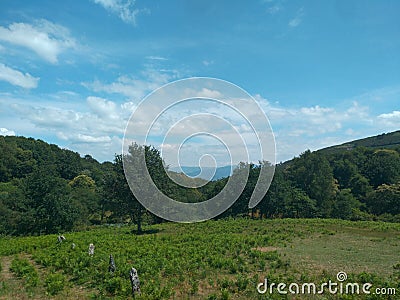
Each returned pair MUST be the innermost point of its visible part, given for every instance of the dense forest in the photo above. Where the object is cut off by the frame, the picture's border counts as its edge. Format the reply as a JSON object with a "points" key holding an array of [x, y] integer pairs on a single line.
{"points": [[46, 189]]}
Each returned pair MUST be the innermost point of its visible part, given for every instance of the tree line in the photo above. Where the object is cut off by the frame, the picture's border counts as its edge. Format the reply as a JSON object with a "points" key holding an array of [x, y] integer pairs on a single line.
{"points": [[46, 189]]}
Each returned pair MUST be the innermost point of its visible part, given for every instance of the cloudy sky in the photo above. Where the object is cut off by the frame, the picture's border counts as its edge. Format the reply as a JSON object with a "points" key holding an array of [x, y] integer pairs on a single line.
{"points": [[324, 72]]}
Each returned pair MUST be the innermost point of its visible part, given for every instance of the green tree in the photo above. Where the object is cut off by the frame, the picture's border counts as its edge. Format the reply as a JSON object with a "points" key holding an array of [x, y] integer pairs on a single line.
{"points": [[285, 200], [49, 199], [298, 204], [83, 182], [15, 213], [273, 203], [345, 204], [343, 171], [241, 205], [383, 167], [360, 186], [312, 173], [120, 198], [85, 196], [385, 199], [68, 163], [38, 197]]}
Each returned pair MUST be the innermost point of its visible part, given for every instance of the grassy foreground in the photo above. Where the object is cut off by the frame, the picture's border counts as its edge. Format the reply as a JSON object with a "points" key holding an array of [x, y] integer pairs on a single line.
{"points": [[223, 259]]}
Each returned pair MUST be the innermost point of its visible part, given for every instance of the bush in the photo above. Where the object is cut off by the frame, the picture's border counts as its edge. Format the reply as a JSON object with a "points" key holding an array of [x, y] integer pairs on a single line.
{"points": [[114, 285], [359, 215], [242, 282], [389, 218], [212, 297], [54, 283], [23, 269]]}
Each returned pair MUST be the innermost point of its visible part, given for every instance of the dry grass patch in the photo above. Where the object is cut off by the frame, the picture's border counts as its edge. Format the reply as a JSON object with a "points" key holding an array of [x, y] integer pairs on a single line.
{"points": [[351, 251], [266, 249]]}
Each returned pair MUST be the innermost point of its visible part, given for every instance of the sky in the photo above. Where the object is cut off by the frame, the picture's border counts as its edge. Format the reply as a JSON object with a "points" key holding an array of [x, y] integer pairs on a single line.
{"points": [[323, 72]]}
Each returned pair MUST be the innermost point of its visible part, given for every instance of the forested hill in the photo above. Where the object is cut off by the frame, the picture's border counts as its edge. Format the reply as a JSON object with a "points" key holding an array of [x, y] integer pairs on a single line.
{"points": [[21, 156], [386, 140], [46, 189]]}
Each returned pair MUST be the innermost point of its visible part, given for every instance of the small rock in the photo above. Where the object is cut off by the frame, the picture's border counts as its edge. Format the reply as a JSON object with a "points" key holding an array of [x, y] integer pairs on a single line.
{"points": [[91, 249], [135, 282], [111, 265]]}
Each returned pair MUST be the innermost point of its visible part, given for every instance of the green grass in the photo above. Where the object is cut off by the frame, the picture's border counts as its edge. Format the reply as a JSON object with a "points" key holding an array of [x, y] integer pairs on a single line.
{"points": [[223, 259], [55, 283], [347, 250], [25, 270]]}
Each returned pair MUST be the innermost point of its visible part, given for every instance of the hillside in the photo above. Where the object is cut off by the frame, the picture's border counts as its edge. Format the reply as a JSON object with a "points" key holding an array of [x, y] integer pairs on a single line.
{"points": [[46, 189], [386, 140], [223, 259], [20, 156]]}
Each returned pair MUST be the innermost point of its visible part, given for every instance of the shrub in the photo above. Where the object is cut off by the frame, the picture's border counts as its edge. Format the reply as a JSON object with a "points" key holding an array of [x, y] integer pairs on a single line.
{"points": [[114, 285], [54, 283], [23, 269]]}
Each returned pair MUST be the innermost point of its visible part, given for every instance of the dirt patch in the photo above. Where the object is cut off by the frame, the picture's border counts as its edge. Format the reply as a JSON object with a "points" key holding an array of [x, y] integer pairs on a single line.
{"points": [[10, 286], [5, 265], [266, 249]]}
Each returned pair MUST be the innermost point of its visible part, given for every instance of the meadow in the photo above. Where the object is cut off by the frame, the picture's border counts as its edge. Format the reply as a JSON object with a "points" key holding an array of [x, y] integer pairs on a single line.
{"points": [[224, 259]]}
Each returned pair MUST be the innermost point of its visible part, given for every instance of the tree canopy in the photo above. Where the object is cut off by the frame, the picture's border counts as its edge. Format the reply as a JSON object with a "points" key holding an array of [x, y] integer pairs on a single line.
{"points": [[46, 189]]}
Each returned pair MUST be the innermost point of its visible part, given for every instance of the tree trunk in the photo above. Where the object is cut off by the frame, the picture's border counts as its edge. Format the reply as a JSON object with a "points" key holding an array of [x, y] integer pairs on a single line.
{"points": [[102, 213], [139, 221]]}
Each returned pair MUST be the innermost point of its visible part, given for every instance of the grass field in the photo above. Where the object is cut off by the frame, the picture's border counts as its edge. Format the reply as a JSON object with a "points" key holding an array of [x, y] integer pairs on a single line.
{"points": [[223, 259]]}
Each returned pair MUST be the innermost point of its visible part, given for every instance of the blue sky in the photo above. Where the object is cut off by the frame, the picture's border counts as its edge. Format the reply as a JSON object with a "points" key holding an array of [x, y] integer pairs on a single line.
{"points": [[324, 72]]}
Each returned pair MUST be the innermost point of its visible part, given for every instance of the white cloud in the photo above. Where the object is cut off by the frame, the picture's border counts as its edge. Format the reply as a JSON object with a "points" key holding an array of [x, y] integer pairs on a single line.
{"points": [[393, 115], [126, 86], [84, 138], [70, 120], [274, 9], [133, 87], [96, 126], [85, 132], [117, 87], [124, 9], [390, 119], [208, 93], [315, 127], [273, 6], [315, 111], [45, 38], [5, 132], [101, 147], [17, 78], [102, 150], [296, 21], [208, 62], [102, 107], [156, 57], [314, 120], [48, 117]]}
